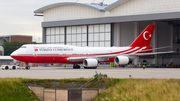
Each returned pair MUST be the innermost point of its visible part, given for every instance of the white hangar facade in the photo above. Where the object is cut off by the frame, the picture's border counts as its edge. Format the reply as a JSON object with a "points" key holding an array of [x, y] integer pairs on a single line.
{"points": [[118, 24]]}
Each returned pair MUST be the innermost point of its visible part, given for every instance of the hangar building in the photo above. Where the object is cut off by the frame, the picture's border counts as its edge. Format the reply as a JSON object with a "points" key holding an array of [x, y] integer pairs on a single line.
{"points": [[117, 24]]}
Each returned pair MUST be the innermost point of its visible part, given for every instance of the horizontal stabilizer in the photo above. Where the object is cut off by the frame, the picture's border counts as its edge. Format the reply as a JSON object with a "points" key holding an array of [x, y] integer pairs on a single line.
{"points": [[155, 49], [154, 53]]}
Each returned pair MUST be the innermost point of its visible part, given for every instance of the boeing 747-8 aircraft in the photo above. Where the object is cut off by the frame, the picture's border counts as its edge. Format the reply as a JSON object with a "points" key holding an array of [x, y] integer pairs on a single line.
{"points": [[88, 56]]}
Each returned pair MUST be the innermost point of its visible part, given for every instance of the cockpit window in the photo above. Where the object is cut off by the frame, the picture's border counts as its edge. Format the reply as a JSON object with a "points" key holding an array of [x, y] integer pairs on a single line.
{"points": [[23, 47]]}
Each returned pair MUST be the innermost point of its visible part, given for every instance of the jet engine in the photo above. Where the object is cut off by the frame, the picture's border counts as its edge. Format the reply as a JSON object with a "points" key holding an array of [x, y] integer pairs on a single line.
{"points": [[12, 67], [90, 63], [121, 60]]}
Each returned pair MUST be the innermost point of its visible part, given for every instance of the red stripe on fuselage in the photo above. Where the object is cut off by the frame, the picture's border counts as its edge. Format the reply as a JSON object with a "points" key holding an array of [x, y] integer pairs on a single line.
{"points": [[123, 51], [134, 50]]}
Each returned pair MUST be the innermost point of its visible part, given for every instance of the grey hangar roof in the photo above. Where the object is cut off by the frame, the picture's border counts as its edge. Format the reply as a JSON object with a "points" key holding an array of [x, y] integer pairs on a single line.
{"points": [[97, 7], [101, 20]]}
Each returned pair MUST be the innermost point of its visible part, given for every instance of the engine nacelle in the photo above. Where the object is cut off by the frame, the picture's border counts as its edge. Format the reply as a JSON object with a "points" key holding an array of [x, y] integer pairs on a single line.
{"points": [[12, 67], [121, 60], [90, 63]]}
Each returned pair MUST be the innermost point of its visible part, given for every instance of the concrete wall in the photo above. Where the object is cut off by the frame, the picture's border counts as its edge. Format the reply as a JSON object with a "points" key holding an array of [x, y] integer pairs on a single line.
{"points": [[124, 34], [38, 91], [127, 33], [163, 34], [48, 94], [89, 94], [117, 34], [69, 12], [136, 7], [130, 7], [62, 95]]}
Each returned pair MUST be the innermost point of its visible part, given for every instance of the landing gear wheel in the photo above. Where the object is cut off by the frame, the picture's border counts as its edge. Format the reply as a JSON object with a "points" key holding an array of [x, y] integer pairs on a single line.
{"points": [[90, 67], [76, 66], [94, 67], [27, 67]]}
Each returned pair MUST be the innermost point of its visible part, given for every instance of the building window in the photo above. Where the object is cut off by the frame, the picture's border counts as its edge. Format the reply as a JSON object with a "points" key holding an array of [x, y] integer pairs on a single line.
{"points": [[99, 35], [55, 35], [77, 35]]}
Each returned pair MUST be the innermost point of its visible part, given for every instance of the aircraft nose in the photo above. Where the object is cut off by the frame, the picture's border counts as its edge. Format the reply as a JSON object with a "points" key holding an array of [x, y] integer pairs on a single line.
{"points": [[15, 56], [13, 53]]}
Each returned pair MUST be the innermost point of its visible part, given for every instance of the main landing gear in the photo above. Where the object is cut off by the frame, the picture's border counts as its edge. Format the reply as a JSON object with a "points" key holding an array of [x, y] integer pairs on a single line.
{"points": [[76, 66], [90, 67], [27, 67]]}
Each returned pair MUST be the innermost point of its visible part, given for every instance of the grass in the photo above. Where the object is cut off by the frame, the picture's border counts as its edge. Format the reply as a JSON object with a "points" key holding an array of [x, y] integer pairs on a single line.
{"points": [[143, 90], [15, 89], [12, 89]]}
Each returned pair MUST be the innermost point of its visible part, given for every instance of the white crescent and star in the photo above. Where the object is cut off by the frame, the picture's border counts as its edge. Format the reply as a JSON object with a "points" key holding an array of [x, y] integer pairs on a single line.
{"points": [[144, 35]]}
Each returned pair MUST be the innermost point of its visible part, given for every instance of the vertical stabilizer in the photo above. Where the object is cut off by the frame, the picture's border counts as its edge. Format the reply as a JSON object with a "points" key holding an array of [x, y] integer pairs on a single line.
{"points": [[144, 39]]}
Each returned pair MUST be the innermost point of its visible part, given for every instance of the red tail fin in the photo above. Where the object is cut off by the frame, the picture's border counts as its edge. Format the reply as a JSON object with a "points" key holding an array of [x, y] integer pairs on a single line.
{"points": [[144, 39]]}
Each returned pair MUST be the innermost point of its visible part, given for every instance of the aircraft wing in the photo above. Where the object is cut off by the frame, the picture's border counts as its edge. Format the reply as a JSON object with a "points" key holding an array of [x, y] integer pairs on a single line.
{"points": [[76, 59], [98, 57], [106, 57], [154, 49]]}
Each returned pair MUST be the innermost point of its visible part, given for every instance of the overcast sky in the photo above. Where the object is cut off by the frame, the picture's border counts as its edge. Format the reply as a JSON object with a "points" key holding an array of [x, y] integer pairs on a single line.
{"points": [[17, 17]]}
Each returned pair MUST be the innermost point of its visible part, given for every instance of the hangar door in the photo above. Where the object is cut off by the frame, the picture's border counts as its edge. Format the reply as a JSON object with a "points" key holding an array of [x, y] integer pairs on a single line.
{"points": [[86, 35], [55, 35], [99, 35]]}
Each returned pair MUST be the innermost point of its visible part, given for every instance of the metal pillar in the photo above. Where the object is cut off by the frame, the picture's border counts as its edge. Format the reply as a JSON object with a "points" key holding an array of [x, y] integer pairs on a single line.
{"points": [[136, 27], [155, 42], [43, 35]]}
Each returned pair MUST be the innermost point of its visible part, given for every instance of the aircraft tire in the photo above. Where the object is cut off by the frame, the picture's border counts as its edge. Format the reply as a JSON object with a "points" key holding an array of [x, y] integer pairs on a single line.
{"points": [[27, 67], [94, 67], [90, 67], [76, 67]]}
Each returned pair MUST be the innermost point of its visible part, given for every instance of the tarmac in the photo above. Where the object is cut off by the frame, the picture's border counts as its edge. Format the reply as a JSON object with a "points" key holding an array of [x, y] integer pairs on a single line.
{"points": [[69, 72]]}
